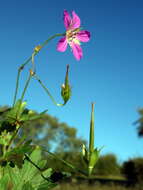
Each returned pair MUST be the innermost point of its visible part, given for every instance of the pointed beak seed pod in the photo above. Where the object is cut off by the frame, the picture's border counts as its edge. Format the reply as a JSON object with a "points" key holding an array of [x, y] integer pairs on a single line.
{"points": [[65, 88], [91, 155]]}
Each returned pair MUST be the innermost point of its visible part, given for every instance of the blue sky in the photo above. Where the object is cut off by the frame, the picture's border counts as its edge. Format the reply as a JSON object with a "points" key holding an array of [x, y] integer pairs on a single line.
{"points": [[109, 74]]}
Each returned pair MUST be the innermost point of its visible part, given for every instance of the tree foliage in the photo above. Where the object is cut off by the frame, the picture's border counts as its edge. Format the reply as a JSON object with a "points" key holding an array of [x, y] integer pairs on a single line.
{"points": [[139, 123], [48, 131], [107, 165], [132, 169]]}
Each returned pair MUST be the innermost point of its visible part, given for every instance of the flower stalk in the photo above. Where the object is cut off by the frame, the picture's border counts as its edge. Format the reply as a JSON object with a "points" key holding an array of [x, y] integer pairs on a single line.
{"points": [[36, 51], [66, 91]]}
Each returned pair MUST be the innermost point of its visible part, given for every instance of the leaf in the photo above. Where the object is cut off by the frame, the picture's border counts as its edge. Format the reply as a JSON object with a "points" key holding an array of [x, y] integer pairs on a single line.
{"points": [[16, 112], [4, 182], [42, 163], [46, 186], [16, 155], [31, 117], [19, 107], [14, 176], [28, 171], [27, 186], [47, 173]]}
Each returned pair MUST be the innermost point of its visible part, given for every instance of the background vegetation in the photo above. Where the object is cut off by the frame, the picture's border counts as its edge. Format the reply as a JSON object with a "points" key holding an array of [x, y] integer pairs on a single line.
{"points": [[63, 140]]}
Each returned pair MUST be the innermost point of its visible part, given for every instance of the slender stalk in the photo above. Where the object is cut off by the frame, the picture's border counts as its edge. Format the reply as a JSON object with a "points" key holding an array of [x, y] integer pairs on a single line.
{"points": [[21, 99], [17, 84], [12, 138], [18, 77], [47, 91], [91, 136], [65, 162], [25, 88], [28, 60]]}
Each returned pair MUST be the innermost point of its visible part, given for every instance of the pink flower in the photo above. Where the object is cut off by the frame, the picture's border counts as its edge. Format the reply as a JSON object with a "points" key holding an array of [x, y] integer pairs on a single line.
{"points": [[73, 35]]}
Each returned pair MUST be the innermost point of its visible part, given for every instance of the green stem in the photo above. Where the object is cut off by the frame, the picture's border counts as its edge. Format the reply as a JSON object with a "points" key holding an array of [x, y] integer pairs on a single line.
{"points": [[65, 162], [47, 91], [91, 137], [21, 99], [28, 60], [12, 138], [25, 88], [17, 84]]}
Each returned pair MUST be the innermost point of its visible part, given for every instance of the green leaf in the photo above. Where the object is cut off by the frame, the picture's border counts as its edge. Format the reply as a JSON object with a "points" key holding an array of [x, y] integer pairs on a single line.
{"points": [[27, 186], [17, 110], [47, 173], [31, 117], [46, 186], [19, 107], [14, 176], [4, 182], [28, 171], [16, 155]]}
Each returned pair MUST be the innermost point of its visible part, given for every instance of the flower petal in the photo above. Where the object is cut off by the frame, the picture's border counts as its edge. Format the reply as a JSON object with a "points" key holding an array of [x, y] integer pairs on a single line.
{"points": [[77, 51], [83, 36], [75, 21], [67, 19], [62, 44]]}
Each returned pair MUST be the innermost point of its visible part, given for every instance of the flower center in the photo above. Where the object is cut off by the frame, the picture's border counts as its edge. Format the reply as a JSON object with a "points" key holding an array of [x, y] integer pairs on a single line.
{"points": [[71, 34]]}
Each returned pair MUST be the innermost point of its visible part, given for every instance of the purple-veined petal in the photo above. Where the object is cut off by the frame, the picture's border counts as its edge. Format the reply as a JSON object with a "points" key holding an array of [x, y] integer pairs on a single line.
{"points": [[77, 51], [62, 44], [75, 21], [83, 36], [67, 19]]}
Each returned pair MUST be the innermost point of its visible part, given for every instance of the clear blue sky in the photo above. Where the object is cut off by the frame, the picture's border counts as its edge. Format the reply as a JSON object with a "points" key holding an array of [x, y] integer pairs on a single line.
{"points": [[110, 72]]}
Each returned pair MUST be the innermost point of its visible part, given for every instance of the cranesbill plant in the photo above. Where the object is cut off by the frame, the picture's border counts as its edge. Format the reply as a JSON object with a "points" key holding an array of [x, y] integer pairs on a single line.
{"points": [[21, 167]]}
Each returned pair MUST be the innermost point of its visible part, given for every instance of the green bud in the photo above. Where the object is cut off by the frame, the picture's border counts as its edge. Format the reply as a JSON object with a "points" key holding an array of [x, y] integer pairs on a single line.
{"points": [[65, 88]]}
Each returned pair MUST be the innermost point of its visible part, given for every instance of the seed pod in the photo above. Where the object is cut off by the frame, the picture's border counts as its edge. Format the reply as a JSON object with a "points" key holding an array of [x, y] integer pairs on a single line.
{"points": [[65, 88]]}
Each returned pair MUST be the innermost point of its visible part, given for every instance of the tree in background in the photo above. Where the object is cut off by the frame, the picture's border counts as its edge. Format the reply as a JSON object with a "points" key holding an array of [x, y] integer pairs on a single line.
{"points": [[133, 170], [107, 165], [62, 139], [48, 131], [139, 122]]}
